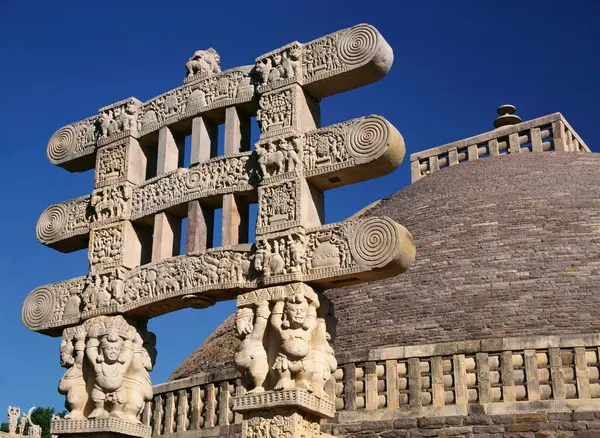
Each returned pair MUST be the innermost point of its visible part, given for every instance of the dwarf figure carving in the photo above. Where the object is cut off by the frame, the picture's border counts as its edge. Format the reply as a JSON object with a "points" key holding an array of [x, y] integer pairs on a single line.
{"points": [[73, 383], [110, 350], [295, 321], [251, 357], [324, 361], [137, 385]]}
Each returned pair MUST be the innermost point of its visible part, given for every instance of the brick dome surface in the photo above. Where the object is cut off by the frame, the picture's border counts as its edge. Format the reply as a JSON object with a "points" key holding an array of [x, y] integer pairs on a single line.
{"points": [[506, 246]]}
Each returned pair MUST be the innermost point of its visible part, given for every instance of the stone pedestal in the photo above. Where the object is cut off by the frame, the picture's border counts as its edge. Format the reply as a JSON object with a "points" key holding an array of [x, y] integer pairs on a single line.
{"points": [[293, 413], [99, 428]]}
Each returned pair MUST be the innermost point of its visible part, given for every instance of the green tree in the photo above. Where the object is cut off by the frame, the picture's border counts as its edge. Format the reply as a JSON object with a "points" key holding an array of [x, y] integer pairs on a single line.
{"points": [[4, 427]]}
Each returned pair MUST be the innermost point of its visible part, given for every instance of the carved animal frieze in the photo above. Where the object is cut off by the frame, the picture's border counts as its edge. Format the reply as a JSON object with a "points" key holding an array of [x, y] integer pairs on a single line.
{"points": [[118, 120], [280, 67], [329, 256]]}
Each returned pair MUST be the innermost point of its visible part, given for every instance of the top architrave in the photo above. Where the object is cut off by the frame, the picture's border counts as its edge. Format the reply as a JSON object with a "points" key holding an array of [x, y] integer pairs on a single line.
{"points": [[335, 63]]}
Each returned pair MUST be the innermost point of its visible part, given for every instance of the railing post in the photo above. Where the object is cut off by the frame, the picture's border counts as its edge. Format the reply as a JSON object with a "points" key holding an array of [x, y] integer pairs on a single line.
{"points": [[558, 135], [372, 401], [196, 408], [531, 373], [483, 377], [223, 416], [349, 389], [460, 379], [536, 140], [557, 374], [437, 381], [169, 413], [391, 383], [508, 378], [211, 402], [414, 382], [182, 410], [157, 418], [581, 373]]}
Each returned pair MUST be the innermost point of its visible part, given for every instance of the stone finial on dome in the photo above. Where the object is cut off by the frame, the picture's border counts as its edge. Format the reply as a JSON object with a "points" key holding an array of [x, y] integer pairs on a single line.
{"points": [[507, 116]]}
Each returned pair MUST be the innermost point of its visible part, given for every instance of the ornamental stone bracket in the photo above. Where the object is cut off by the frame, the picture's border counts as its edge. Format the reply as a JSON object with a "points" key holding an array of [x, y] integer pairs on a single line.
{"points": [[131, 226]]}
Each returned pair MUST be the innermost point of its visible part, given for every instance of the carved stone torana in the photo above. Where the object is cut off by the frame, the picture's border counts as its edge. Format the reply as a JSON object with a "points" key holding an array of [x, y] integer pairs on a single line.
{"points": [[131, 226]]}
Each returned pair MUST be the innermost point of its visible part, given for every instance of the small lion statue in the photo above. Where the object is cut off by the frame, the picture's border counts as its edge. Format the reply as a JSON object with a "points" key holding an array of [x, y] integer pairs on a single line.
{"points": [[203, 61]]}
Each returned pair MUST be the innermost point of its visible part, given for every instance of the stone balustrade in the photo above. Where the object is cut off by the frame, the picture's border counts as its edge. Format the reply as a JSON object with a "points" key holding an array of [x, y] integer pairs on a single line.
{"points": [[202, 403], [494, 376], [548, 133]]}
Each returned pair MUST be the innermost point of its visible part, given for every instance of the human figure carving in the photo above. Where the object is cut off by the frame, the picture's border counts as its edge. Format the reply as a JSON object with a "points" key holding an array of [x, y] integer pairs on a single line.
{"points": [[291, 154], [73, 383], [73, 304], [295, 320], [22, 424], [137, 385], [323, 358], [251, 357], [110, 350]]}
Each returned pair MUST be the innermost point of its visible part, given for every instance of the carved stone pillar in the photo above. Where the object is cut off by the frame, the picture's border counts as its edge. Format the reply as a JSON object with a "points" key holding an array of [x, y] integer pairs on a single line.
{"points": [[107, 382], [285, 360]]}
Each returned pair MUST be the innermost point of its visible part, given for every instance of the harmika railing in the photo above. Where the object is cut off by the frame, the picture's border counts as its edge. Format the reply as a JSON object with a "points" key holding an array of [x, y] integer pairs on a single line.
{"points": [[556, 372], [549, 133]]}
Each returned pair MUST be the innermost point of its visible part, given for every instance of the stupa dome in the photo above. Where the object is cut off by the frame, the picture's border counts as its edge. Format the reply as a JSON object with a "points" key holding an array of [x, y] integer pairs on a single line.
{"points": [[506, 246]]}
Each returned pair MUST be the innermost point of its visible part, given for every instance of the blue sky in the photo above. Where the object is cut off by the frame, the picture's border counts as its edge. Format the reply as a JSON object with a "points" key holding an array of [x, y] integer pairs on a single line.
{"points": [[455, 62]]}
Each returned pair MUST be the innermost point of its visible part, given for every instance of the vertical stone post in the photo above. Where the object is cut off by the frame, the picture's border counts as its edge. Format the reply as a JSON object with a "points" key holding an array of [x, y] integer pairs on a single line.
{"points": [[483, 378], [559, 136], [391, 383], [581, 373], [531, 373], [204, 141], [536, 140], [200, 224], [167, 228], [508, 378], [349, 388], [196, 408], [414, 382], [437, 381], [235, 211], [557, 374], [460, 379]]}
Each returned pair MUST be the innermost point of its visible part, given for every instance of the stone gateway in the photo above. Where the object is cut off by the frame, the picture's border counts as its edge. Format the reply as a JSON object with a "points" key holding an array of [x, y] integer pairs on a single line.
{"points": [[131, 223]]}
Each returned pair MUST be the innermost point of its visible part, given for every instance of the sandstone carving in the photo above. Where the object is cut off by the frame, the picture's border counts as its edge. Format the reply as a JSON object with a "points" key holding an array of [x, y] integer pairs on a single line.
{"points": [[14, 413], [204, 62], [285, 343], [130, 224], [251, 358], [18, 423], [370, 248], [107, 361]]}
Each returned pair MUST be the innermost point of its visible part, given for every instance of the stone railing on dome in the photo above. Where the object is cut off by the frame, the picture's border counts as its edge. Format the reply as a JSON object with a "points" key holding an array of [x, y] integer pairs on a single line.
{"points": [[501, 375], [548, 133]]}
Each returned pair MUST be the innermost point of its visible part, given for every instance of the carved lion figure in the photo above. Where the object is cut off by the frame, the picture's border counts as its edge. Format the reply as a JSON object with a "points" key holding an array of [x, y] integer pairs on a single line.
{"points": [[204, 61]]}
